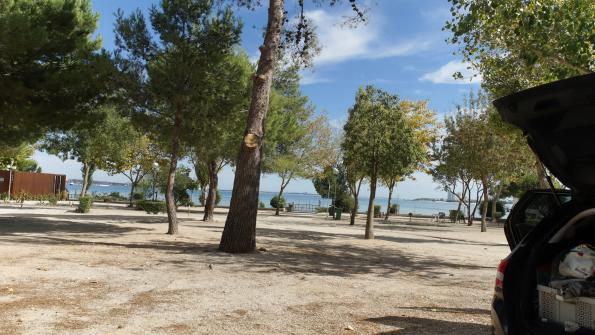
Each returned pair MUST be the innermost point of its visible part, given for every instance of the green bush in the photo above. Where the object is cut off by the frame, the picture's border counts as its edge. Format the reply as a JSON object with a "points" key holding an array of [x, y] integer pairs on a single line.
{"points": [[151, 206], [274, 200], [85, 204], [53, 199], [499, 209], [394, 209], [138, 196], [345, 202], [452, 214], [377, 211], [261, 204], [64, 195], [202, 198]]}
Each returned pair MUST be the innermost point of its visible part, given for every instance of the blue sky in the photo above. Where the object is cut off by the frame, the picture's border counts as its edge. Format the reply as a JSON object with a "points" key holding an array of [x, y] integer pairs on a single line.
{"points": [[402, 49]]}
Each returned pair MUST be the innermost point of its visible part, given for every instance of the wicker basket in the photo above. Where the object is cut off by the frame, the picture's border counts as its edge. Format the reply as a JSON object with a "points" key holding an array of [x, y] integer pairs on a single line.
{"points": [[575, 311]]}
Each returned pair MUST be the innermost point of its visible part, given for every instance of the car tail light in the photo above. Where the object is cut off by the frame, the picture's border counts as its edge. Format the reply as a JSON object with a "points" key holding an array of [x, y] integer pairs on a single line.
{"points": [[500, 274]]}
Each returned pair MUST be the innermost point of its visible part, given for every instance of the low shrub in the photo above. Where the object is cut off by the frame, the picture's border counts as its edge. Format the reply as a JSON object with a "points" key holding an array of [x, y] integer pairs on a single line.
{"points": [[377, 211], [202, 198], [261, 204], [151, 207], [53, 199], [394, 209], [138, 196], [452, 214], [64, 195], [85, 204], [274, 200]]}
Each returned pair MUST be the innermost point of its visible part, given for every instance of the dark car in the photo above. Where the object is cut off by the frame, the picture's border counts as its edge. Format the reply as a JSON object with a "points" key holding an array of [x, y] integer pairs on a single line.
{"points": [[558, 120]]}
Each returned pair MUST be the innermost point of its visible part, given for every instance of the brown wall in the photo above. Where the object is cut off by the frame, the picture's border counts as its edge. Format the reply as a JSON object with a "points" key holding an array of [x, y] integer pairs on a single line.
{"points": [[33, 183]]}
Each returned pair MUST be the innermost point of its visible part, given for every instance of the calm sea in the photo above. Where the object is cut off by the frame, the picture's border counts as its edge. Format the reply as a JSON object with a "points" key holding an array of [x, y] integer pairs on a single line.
{"points": [[424, 207]]}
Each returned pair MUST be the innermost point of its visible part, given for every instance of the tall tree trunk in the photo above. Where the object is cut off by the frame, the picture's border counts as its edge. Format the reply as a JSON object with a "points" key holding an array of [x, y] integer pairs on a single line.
{"points": [[212, 195], [495, 203], [484, 211], [390, 195], [239, 234], [469, 216], [460, 202], [279, 197], [171, 177], [370, 216], [88, 170], [355, 194], [131, 198], [85, 169]]}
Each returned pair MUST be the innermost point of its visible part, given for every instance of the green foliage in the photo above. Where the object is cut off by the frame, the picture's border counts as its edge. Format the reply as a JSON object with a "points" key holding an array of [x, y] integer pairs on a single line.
{"points": [[138, 196], [151, 207], [85, 204], [377, 213], [345, 202], [276, 201], [18, 156], [202, 198], [261, 204], [52, 74], [393, 209], [452, 215], [53, 199], [183, 184], [500, 210], [520, 44]]}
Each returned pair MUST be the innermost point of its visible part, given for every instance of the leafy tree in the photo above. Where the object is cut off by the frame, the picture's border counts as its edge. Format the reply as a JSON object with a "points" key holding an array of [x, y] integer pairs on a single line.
{"points": [[376, 132], [239, 234], [134, 156], [92, 146], [18, 156], [183, 184], [167, 73], [214, 138], [521, 44], [332, 184], [354, 178], [53, 76], [403, 163]]}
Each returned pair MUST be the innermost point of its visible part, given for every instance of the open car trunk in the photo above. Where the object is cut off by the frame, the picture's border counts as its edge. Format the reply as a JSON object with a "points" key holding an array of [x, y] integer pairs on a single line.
{"points": [[559, 122]]}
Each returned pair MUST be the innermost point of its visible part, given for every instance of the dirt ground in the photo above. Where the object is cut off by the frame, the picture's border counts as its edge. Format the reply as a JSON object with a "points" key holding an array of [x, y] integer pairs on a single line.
{"points": [[114, 271]]}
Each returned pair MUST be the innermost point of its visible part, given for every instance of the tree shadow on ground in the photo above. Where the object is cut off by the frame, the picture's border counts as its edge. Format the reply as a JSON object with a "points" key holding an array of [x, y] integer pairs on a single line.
{"points": [[111, 218], [20, 225], [423, 326], [467, 311], [287, 251]]}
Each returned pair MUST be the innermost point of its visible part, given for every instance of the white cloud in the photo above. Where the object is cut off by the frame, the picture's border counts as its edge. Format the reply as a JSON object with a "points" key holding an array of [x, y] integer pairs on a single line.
{"points": [[340, 43], [310, 78], [444, 75]]}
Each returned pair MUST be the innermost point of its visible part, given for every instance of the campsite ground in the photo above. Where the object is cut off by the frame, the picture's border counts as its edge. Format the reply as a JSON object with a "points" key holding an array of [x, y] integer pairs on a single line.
{"points": [[114, 271]]}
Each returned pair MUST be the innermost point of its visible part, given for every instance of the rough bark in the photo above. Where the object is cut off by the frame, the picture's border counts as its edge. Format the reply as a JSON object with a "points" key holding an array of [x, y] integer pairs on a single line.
{"points": [[484, 210], [171, 176], [279, 197], [460, 202], [390, 195], [211, 200], [239, 233], [86, 170], [355, 194], [131, 197], [494, 203], [370, 216]]}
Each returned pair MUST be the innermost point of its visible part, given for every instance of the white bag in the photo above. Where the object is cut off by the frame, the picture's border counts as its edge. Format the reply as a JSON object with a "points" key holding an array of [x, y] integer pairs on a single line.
{"points": [[579, 262]]}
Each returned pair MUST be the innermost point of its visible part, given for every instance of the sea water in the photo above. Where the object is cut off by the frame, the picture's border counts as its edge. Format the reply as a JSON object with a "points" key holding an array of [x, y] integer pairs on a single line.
{"points": [[416, 207]]}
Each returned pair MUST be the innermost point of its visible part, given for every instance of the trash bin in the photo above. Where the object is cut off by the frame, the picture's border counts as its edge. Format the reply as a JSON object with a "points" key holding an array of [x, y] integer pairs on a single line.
{"points": [[338, 211]]}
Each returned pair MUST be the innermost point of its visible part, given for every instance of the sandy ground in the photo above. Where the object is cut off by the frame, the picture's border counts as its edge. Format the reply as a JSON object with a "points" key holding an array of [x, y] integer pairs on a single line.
{"points": [[114, 271]]}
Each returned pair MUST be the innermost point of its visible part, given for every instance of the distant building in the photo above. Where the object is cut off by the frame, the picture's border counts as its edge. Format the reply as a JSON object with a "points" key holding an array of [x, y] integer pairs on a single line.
{"points": [[31, 183]]}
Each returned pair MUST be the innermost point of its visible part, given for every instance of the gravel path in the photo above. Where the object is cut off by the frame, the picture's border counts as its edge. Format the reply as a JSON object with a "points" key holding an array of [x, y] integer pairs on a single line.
{"points": [[114, 271]]}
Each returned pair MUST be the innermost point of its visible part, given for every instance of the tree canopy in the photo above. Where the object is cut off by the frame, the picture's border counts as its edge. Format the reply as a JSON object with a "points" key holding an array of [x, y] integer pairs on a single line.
{"points": [[519, 44], [53, 75]]}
